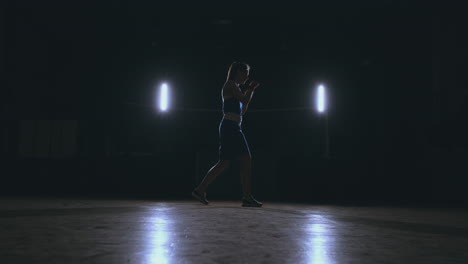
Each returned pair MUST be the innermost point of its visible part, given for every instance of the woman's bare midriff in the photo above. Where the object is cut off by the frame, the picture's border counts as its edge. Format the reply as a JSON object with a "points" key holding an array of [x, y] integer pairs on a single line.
{"points": [[233, 116]]}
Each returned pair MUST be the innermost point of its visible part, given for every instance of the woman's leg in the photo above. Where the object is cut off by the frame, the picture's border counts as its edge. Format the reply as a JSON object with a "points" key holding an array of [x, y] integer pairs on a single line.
{"points": [[246, 177], [246, 174], [217, 169]]}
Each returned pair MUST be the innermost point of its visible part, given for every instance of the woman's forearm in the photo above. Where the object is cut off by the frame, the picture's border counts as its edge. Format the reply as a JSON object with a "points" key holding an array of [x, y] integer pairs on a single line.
{"points": [[244, 108], [246, 105], [248, 94]]}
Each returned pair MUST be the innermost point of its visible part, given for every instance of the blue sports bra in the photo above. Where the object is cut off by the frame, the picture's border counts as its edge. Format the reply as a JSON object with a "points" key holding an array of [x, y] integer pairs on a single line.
{"points": [[232, 105]]}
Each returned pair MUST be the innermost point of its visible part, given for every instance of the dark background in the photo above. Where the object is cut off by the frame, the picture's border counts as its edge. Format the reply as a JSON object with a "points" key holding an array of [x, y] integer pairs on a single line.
{"points": [[79, 83]]}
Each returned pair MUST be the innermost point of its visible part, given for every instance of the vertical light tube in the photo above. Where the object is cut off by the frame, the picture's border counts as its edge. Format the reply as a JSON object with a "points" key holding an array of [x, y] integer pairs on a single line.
{"points": [[164, 98], [321, 99]]}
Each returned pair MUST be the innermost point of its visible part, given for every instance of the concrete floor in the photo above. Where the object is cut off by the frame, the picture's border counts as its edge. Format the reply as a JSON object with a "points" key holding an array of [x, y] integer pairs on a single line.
{"points": [[116, 231]]}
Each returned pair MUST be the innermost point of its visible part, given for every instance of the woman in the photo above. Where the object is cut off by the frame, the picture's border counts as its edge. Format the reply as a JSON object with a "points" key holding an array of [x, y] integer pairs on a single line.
{"points": [[232, 142]]}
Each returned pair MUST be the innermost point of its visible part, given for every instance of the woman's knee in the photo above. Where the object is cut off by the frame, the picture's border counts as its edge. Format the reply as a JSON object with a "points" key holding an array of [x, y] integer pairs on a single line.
{"points": [[224, 164]]}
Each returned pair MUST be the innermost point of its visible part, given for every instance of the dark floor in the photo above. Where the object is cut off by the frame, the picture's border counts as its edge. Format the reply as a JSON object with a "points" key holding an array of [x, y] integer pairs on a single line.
{"points": [[142, 231]]}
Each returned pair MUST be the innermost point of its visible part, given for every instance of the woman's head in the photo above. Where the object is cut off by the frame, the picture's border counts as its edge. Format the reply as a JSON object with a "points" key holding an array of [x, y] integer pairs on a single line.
{"points": [[238, 72]]}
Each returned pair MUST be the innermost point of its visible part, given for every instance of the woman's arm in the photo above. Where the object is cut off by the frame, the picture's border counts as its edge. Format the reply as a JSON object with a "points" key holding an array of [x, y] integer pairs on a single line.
{"points": [[233, 90], [249, 93]]}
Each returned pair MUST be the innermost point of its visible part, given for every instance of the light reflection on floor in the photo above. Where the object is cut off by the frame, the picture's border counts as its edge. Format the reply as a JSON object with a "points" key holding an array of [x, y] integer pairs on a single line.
{"points": [[320, 240], [158, 241]]}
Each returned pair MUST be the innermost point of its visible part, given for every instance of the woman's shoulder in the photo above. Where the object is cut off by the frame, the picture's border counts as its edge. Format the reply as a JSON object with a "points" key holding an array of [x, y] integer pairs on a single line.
{"points": [[227, 89], [230, 84]]}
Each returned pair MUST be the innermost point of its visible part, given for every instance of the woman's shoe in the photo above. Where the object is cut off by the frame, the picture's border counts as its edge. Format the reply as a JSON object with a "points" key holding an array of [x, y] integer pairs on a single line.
{"points": [[249, 201], [200, 197]]}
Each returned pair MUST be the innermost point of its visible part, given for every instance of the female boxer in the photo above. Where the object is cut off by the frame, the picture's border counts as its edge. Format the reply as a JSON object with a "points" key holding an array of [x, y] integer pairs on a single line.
{"points": [[232, 143]]}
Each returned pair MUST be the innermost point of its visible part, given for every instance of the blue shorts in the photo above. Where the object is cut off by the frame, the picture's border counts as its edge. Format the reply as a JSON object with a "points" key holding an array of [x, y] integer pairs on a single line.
{"points": [[232, 142]]}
